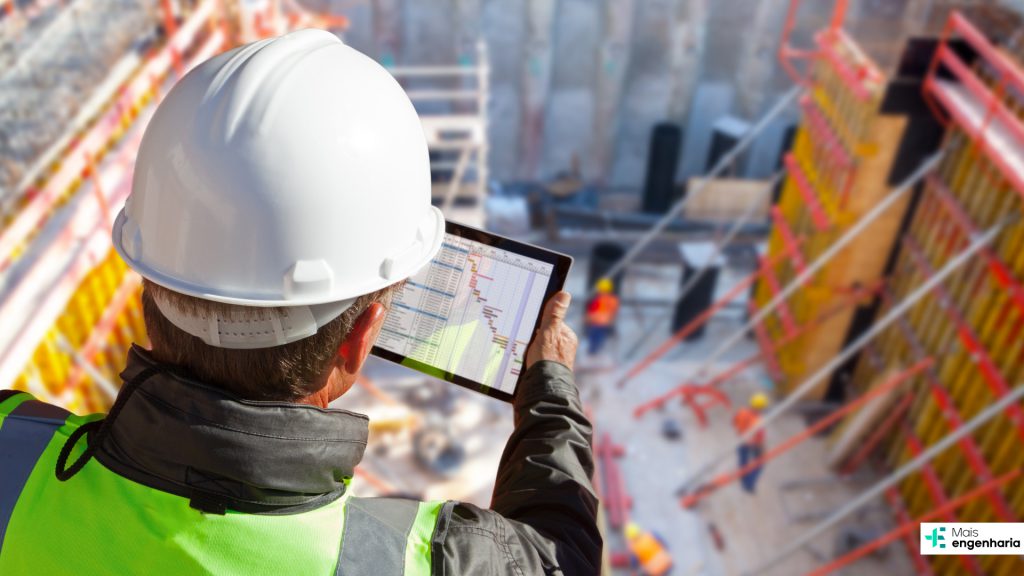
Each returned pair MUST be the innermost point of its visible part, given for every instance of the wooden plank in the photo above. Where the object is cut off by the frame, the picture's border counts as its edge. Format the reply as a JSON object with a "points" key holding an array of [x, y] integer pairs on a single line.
{"points": [[728, 199]]}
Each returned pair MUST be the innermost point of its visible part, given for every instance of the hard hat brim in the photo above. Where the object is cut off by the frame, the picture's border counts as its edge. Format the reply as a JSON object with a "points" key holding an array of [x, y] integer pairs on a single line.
{"points": [[414, 257]]}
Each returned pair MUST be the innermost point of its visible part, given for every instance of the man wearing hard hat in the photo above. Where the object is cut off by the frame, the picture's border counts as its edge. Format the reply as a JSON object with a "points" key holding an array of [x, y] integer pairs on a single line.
{"points": [[752, 449], [647, 551], [601, 312], [281, 193]]}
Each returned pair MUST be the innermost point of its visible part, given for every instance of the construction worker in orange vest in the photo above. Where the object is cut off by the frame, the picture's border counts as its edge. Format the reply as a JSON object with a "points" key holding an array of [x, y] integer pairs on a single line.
{"points": [[745, 419], [648, 551], [601, 312]]}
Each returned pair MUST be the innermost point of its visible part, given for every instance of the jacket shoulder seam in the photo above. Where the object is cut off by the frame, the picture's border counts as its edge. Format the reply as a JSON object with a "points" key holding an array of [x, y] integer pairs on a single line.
{"points": [[508, 549]]}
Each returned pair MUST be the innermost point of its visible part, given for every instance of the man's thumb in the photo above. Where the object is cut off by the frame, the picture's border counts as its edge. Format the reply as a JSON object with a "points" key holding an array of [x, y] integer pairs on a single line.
{"points": [[556, 308]]}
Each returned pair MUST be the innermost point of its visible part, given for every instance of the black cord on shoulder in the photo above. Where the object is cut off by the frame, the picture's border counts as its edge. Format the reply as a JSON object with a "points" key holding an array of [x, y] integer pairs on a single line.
{"points": [[101, 427]]}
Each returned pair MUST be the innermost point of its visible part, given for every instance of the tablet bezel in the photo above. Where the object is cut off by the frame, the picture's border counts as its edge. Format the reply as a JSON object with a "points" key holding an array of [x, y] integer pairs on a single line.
{"points": [[562, 264]]}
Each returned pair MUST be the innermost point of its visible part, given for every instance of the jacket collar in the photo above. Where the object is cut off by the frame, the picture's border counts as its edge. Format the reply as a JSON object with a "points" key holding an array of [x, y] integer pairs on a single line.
{"points": [[181, 436]]}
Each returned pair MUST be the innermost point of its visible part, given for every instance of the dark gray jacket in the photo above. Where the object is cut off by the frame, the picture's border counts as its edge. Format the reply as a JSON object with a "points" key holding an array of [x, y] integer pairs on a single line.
{"points": [[193, 440], [543, 516]]}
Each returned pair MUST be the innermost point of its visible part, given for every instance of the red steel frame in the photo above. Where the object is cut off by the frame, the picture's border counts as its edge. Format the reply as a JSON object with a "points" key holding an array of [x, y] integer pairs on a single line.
{"points": [[823, 132], [764, 344], [787, 54], [766, 352], [971, 452], [1000, 271], [704, 491], [1009, 75], [908, 528], [852, 76], [170, 29], [704, 316], [691, 393], [789, 239], [79, 163], [921, 564], [937, 493], [715, 382], [989, 371], [783, 311], [104, 327], [90, 146], [807, 192], [613, 486], [838, 157], [200, 36], [786, 51]]}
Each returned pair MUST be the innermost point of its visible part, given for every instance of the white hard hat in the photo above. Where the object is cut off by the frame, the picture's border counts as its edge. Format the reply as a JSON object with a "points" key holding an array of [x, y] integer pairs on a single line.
{"points": [[289, 172]]}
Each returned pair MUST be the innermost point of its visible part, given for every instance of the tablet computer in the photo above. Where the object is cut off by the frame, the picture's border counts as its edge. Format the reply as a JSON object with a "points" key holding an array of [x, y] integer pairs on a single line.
{"points": [[469, 315]]}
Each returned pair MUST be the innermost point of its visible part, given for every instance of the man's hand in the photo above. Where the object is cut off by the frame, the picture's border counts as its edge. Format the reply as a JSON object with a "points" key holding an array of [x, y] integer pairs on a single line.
{"points": [[554, 340]]}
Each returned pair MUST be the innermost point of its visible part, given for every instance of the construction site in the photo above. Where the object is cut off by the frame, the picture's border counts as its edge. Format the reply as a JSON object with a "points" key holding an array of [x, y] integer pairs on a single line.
{"points": [[809, 214]]}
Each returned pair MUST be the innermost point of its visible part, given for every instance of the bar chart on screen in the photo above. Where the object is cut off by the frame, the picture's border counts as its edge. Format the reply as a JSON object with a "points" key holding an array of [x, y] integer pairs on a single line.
{"points": [[470, 312]]}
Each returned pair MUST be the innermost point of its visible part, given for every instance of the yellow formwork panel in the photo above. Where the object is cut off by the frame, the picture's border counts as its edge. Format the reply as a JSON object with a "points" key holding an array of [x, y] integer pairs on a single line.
{"points": [[54, 371], [974, 307], [841, 150], [991, 316]]}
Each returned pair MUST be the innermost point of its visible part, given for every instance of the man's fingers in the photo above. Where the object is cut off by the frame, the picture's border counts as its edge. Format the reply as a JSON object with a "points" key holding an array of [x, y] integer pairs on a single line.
{"points": [[557, 308], [555, 341]]}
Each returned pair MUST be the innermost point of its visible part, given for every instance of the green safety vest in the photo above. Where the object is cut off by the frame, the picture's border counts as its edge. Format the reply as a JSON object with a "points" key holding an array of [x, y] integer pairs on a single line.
{"points": [[103, 523]]}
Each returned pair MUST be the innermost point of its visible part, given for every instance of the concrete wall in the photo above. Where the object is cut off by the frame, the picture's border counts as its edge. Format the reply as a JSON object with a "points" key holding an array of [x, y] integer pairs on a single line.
{"points": [[591, 77]]}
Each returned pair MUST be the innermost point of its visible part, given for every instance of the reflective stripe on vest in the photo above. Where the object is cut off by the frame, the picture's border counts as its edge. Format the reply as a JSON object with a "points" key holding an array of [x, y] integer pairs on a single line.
{"points": [[24, 434], [117, 525], [387, 536]]}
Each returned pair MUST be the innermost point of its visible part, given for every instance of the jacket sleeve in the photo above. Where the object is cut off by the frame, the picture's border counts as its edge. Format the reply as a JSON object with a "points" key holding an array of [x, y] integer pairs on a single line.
{"points": [[543, 516]]}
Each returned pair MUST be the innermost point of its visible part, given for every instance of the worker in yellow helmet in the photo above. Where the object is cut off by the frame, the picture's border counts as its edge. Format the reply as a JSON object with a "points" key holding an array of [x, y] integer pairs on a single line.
{"points": [[747, 418], [647, 551], [601, 313], [281, 197]]}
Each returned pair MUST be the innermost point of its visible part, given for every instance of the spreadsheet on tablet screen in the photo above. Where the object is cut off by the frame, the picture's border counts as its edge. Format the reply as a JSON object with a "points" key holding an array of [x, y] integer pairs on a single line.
{"points": [[470, 312]]}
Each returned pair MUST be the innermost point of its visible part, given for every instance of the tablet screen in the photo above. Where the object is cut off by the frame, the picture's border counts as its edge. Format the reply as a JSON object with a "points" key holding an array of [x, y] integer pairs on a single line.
{"points": [[470, 313]]}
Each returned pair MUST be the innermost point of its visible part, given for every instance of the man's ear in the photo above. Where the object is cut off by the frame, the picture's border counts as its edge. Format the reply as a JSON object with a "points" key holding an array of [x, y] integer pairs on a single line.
{"points": [[356, 346]]}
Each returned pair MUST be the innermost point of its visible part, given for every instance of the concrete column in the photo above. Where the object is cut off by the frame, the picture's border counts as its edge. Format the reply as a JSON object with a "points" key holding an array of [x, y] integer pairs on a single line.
{"points": [[569, 110], [613, 59], [649, 87], [504, 26], [757, 62], [536, 83], [387, 30], [687, 53]]}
